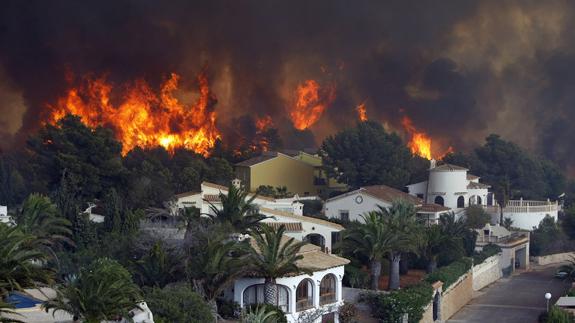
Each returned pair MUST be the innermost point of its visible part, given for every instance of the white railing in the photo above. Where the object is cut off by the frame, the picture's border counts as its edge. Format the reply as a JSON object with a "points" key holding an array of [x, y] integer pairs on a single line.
{"points": [[525, 206]]}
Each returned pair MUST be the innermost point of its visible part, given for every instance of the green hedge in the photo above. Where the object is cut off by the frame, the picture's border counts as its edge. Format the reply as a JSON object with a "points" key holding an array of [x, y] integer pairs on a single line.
{"points": [[391, 307], [451, 273], [488, 251]]}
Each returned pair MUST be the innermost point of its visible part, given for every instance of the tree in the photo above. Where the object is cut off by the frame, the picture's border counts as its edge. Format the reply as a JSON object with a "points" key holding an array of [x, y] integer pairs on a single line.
{"points": [[400, 220], [260, 314], [367, 155], [371, 239], [476, 217], [433, 241], [177, 303], [271, 256], [103, 291], [159, 267], [40, 218], [508, 223], [237, 210], [22, 263], [213, 264]]}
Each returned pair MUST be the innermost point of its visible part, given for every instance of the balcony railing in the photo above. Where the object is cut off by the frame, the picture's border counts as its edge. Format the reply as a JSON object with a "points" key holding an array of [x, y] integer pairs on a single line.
{"points": [[303, 304], [525, 206], [515, 236], [327, 298]]}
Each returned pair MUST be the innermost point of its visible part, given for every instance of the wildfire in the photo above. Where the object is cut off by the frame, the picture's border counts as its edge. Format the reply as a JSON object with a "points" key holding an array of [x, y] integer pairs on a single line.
{"points": [[420, 143], [144, 118], [361, 112], [310, 103], [262, 125]]}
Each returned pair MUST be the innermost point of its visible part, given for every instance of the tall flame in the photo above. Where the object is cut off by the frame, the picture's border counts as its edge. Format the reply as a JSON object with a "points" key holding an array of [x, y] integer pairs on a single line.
{"points": [[144, 118], [310, 103], [420, 143], [361, 112]]}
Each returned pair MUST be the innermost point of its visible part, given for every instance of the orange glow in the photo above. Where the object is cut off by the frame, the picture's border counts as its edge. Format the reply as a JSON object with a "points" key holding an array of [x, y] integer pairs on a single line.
{"points": [[143, 117], [262, 125], [310, 103], [420, 143], [362, 114]]}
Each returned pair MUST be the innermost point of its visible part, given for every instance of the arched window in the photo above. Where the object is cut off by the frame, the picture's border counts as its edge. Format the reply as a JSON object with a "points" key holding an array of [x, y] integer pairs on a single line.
{"points": [[255, 295], [439, 200], [316, 239], [479, 200], [327, 290], [461, 202], [304, 295]]}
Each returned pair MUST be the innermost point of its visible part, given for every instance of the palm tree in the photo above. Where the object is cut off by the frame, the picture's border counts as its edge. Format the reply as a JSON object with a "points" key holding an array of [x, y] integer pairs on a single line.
{"points": [[41, 218], [508, 223], [371, 239], [260, 314], [103, 291], [434, 240], [159, 267], [401, 223], [237, 209], [271, 255], [213, 265], [22, 264]]}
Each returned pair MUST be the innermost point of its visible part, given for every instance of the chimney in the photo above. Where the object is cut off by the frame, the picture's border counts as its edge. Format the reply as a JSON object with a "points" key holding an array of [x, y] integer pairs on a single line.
{"points": [[432, 164], [237, 183]]}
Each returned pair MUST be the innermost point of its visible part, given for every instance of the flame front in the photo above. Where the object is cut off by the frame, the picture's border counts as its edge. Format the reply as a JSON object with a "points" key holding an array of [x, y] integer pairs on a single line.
{"points": [[361, 112], [420, 143], [144, 118], [310, 103]]}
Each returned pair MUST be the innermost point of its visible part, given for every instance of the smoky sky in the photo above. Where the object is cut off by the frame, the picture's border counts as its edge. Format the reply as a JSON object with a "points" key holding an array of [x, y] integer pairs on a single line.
{"points": [[459, 69]]}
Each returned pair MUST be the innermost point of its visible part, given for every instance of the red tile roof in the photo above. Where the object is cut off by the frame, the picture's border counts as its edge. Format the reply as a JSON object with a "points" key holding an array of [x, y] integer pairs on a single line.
{"points": [[390, 194]]}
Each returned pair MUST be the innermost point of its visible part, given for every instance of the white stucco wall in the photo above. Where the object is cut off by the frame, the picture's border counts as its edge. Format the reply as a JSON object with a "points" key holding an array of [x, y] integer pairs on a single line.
{"points": [[348, 203], [291, 284], [526, 221], [486, 272], [482, 192], [446, 184], [418, 188]]}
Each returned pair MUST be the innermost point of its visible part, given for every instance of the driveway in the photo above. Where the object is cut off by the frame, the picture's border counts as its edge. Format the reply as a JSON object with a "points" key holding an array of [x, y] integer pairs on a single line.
{"points": [[517, 299]]}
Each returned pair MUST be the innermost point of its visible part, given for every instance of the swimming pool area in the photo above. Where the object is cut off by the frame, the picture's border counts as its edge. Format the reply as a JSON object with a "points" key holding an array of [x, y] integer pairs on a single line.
{"points": [[20, 300]]}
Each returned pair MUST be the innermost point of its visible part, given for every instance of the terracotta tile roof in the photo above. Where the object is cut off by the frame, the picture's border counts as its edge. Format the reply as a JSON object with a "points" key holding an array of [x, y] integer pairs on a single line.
{"points": [[212, 198], [390, 194], [301, 218], [290, 226], [432, 208], [473, 185], [313, 258], [472, 177], [186, 194], [258, 159], [447, 168]]}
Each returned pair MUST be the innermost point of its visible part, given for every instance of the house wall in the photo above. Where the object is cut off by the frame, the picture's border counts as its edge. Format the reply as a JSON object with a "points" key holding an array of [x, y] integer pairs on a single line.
{"points": [[526, 221], [481, 192], [283, 170], [291, 283], [553, 259], [333, 207], [418, 188], [447, 184], [486, 272]]}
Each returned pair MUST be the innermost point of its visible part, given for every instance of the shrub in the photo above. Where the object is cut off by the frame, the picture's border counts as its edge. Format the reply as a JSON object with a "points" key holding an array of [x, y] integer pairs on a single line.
{"points": [[177, 303], [556, 315], [355, 277], [451, 273], [347, 312], [392, 306], [228, 309], [488, 251], [280, 317]]}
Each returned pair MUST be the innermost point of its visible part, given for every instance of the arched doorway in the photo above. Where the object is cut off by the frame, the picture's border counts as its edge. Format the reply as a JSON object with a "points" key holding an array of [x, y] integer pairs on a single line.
{"points": [[436, 306], [255, 295], [490, 199], [327, 292], [460, 202], [479, 200], [316, 239], [439, 200], [304, 295]]}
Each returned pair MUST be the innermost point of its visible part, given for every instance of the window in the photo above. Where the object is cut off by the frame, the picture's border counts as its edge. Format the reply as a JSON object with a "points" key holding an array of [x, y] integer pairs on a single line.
{"points": [[327, 290], [304, 295], [344, 215], [439, 200], [255, 295], [420, 196], [461, 202]]}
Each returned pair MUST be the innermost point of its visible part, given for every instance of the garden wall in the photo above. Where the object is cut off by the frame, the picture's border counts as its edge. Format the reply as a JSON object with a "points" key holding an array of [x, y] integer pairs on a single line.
{"points": [[453, 299], [553, 259], [486, 272]]}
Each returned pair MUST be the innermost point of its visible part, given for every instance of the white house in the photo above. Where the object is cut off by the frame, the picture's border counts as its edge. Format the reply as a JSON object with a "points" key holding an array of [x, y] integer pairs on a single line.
{"points": [[452, 186], [4, 217], [352, 205], [514, 245], [288, 212], [319, 293]]}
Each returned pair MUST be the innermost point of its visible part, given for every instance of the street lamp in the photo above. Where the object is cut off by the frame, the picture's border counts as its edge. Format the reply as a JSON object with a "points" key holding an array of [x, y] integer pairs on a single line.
{"points": [[547, 297]]}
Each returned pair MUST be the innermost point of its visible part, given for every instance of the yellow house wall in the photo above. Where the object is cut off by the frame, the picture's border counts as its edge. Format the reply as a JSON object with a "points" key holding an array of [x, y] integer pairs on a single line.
{"points": [[297, 176]]}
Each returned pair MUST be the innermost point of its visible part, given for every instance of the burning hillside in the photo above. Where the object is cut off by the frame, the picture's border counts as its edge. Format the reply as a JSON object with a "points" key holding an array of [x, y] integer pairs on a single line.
{"points": [[143, 116], [311, 101], [419, 142]]}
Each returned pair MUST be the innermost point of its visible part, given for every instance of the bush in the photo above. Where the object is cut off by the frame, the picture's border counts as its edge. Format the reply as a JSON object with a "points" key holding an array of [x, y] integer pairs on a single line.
{"points": [[476, 217], [392, 306], [347, 312], [177, 303], [355, 277], [280, 317], [488, 251], [451, 273], [556, 315], [228, 309]]}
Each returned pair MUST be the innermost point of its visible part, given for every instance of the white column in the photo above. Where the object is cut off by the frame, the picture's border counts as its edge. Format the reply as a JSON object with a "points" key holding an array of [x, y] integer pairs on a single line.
{"points": [[316, 293]]}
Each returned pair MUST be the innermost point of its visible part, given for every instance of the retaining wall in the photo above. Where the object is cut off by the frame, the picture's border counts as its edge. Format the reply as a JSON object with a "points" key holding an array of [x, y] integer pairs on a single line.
{"points": [[486, 272], [554, 258]]}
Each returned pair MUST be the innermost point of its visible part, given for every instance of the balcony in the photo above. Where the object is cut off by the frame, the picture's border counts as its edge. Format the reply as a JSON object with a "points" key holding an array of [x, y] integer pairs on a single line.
{"points": [[327, 298], [524, 206], [303, 304]]}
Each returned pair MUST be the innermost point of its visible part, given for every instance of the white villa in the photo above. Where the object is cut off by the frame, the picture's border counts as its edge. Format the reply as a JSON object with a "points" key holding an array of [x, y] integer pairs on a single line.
{"points": [[352, 205], [320, 292], [453, 187]]}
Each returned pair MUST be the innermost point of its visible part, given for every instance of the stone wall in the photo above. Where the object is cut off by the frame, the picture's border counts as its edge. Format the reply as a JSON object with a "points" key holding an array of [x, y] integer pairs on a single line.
{"points": [[553, 259], [452, 299], [486, 272]]}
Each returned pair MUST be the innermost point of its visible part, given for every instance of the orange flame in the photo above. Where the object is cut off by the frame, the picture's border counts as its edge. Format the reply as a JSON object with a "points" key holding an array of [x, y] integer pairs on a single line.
{"points": [[420, 143], [263, 123], [310, 103], [143, 118], [361, 112]]}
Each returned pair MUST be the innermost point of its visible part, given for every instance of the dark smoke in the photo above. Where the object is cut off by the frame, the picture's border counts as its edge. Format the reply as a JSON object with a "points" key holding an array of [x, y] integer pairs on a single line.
{"points": [[459, 69]]}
